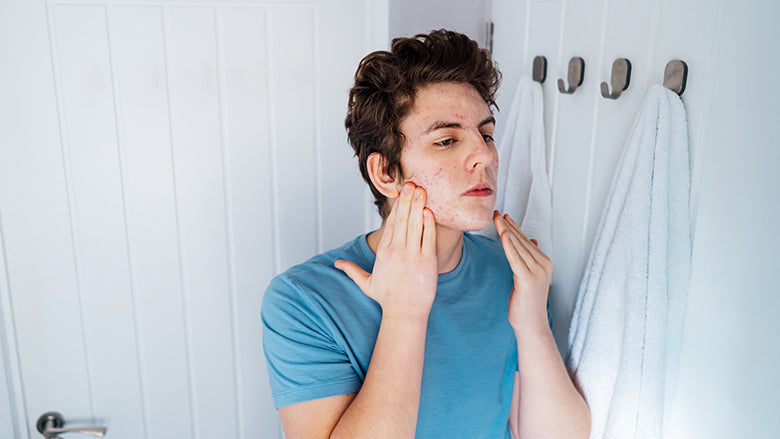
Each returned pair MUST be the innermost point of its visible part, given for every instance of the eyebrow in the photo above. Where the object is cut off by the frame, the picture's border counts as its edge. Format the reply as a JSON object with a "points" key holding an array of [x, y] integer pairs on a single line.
{"points": [[442, 124]]}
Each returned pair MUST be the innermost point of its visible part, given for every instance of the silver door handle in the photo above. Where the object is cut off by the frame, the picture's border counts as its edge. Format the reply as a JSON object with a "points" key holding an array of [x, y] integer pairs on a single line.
{"points": [[50, 425]]}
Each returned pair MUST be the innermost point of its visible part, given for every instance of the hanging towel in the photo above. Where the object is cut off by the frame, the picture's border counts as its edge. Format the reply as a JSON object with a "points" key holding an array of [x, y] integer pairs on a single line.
{"points": [[626, 329], [522, 183]]}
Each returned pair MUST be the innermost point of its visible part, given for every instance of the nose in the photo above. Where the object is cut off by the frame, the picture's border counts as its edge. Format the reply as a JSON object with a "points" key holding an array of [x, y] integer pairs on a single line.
{"points": [[481, 152]]}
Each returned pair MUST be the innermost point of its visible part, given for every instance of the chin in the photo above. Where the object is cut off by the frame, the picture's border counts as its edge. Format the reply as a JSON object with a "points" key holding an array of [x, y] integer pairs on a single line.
{"points": [[472, 224], [463, 218]]}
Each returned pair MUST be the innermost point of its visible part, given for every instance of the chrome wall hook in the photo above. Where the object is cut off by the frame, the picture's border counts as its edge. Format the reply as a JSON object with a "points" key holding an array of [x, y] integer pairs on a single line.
{"points": [[621, 77], [676, 76], [540, 69], [575, 75]]}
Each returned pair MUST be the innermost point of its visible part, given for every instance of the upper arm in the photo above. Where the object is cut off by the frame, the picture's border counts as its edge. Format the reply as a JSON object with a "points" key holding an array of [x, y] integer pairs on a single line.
{"points": [[314, 419], [305, 362]]}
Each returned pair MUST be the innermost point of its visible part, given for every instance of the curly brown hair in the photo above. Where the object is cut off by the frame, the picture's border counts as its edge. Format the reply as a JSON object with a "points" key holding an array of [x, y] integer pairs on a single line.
{"points": [[385, 86]]}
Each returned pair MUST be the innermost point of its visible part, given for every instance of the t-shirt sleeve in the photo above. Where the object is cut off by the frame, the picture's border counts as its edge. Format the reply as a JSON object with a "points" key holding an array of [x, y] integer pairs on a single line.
{"points": [[304, 362]]}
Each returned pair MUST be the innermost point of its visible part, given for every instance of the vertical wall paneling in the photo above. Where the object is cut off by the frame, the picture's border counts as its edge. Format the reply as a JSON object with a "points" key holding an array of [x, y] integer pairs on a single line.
{"points": [[731, 320], [342, 186], [43, 215], [273, 164], [11, 406], [229, 235], [700, 22], [294, 120], [7, 403], [377, 37], [317, 108], [98, 213], [38, 285], [160, 162], [196, 140], [243, 73], [545, 17], [574, 139], [509, 30], [138, 51], [628, 34]]}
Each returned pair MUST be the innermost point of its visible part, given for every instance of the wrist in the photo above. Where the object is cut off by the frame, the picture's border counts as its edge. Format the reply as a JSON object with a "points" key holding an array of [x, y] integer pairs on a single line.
{"points": [[536, 329], [413, 317], [413, 329], [409, 311]]}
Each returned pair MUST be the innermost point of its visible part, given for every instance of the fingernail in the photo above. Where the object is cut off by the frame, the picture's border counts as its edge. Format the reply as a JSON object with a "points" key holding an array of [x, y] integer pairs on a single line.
{"points": [[417, 193], [407, 188]]}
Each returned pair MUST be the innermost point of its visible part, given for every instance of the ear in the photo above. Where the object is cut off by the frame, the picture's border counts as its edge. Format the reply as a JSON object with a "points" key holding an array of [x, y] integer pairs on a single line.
{"points": [[382, 180]]}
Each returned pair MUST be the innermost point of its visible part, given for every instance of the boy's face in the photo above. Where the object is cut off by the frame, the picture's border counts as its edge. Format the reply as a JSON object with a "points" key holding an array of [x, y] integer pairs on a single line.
{"points": [[449, 151]]}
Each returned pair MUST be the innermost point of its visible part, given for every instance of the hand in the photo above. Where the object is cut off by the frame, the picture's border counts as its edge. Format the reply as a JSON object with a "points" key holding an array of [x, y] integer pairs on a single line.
{"points": [[406, 271], [531, 271]]}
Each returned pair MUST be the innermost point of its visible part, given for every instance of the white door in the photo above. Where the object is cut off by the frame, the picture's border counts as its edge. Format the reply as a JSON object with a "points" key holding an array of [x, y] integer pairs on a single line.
{"points": [[160, 161]]}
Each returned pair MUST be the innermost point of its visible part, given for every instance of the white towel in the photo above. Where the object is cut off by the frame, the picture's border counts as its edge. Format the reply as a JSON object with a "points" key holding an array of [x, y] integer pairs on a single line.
{"points": [[522, 184], [626, 329]]}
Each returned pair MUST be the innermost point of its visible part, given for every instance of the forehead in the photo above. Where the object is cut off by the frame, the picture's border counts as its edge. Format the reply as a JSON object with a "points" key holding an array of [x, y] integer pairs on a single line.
{"points": [[445, 102]]}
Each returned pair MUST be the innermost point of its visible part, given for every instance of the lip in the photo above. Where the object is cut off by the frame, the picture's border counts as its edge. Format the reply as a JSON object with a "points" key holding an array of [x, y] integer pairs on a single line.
{"points": [[480, 190]]}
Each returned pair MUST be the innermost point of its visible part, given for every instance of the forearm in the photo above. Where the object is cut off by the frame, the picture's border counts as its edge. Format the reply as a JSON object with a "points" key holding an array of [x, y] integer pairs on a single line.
{"points": [[388, 401], [550, 404]]}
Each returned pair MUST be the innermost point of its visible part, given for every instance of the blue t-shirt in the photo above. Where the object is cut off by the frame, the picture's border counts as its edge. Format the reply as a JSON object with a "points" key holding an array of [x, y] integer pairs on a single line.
{"points": [[319, 331]]}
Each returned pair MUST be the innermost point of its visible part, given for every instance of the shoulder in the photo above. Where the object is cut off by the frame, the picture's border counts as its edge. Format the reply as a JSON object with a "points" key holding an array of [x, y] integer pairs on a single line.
{"points": [[306, 287]]}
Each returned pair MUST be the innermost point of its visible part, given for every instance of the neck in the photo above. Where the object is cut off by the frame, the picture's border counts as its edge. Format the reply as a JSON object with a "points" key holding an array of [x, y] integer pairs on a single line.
{"points": [[449, 246]]}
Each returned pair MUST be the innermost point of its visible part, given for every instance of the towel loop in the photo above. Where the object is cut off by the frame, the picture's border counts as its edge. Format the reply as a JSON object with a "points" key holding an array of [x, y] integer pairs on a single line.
{"points": [[540, 69], [676, 76], [621, 77], [575, 75]]}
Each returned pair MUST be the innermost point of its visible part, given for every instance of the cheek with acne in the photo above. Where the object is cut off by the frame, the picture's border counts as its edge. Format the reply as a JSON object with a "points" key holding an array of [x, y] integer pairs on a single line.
{"points": [[438, 187]]}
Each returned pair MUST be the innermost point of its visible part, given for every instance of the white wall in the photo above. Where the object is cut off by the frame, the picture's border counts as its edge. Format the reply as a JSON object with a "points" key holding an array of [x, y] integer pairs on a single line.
{"points": [[410, 17], [729, 385], [160, 161]]}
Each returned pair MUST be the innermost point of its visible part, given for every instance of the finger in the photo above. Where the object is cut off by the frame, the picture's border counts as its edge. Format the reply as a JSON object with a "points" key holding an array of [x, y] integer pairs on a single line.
{"points": [[357, 274], [415, 231], [537, 255], [521, 246], [498, 223], [511, 245], [515, 261], [402, 213], [511, 224], [429, 233]]}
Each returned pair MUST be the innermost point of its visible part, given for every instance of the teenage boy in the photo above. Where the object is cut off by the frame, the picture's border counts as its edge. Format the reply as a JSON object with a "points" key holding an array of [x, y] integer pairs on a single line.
{"points": [[419, 329]]}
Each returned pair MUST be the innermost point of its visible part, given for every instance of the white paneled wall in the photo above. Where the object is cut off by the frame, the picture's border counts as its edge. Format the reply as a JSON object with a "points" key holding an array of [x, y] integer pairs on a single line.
{"points": [[159, 163], [410, 17]]}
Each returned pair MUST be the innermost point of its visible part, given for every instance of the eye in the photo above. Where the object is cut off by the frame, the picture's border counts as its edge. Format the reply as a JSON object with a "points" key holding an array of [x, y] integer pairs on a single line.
{"points": [[487, 138], [445, 142]]}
